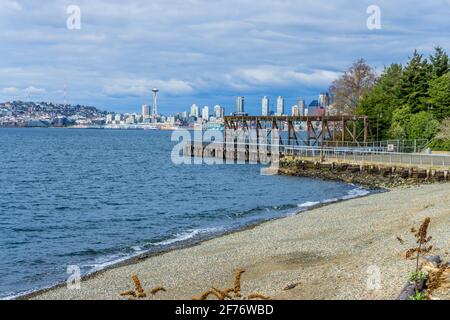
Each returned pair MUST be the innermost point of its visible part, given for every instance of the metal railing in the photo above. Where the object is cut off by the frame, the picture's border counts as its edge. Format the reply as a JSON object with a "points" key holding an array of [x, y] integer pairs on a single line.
{"points": [[344, 154]]}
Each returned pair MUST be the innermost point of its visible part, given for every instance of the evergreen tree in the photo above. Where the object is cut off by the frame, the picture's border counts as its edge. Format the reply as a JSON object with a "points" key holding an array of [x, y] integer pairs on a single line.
{"points": [[380, 103], [439, 92], [413, 89], [440, 62]]}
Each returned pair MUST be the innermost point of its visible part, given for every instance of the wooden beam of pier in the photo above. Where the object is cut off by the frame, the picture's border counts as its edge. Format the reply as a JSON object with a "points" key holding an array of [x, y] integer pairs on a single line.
{"points": [[320, 130]]}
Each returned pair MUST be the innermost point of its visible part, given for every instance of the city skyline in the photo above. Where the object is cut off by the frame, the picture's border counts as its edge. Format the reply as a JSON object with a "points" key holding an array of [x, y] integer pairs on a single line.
{"points": [[293, 49]]}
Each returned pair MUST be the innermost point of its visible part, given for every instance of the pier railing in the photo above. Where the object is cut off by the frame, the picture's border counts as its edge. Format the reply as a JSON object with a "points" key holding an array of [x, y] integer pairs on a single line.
{"points": [[244, 151]]}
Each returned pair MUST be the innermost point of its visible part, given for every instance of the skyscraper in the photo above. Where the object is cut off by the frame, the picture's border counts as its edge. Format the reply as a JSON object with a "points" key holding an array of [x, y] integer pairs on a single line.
{"points": [[240, 105], [301, 107], [218, 112], [280, 106], [295, 111], [265, 106], [205, 113], [194, 111], [324, 100], [146, 111]]}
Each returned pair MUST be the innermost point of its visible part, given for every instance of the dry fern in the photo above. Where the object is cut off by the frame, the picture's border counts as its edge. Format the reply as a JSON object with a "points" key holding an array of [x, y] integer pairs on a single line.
{"points": [[237, 283], [254, 296], [139, 291], [206, 294], [137, 283], [156, 290], [437, 278]]}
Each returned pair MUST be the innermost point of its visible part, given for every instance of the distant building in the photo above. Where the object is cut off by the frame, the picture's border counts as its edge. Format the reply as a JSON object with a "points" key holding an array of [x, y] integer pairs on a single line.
{"points": [[109, 118], [117, 118], [205, 113], [240, 105], [324, 100], [194, 111], [280, 106], [265, 106], [218, 112], [146, 111], [301, 107], [295, 111], [314, 109]]}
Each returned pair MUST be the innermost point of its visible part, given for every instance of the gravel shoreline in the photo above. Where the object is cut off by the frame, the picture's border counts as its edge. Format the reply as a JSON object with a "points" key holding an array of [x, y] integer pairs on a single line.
{"points": [[329, 252]]}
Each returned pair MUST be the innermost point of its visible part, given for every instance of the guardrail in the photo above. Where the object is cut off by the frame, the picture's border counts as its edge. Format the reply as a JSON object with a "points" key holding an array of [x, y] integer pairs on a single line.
{"points": [[344, 154]]}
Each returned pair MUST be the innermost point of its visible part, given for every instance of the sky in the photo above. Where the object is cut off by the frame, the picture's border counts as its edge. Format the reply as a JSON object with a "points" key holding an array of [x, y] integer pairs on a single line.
{"points": [[202, 51]]}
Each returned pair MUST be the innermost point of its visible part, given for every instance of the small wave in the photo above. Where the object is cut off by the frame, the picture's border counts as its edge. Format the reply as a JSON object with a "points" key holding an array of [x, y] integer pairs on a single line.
{"points": [[308, 204], [188, 235], [355, 193]]}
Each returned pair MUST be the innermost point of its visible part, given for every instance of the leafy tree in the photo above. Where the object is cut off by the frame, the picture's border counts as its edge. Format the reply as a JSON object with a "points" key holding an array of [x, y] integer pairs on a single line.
{"points": [[442, 139], [414, 83], [401, 118], [357, 81], [380, 102], [422, 125], [440, 62], [439, 100]]}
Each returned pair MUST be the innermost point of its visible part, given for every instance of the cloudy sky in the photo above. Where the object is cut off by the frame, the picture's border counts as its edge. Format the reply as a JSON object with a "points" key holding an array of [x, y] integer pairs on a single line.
{"points": [[202, 51]]}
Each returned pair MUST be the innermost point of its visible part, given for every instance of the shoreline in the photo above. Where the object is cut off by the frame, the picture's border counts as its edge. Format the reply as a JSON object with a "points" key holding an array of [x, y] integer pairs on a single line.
{"points": [[327, 249], [189, 243]]}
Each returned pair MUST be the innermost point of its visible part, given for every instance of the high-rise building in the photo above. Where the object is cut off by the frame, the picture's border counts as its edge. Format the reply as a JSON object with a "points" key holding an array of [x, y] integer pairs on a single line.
{"points": [[301, 107], [205, 113], [280, 106], [218, 112], [295, 111], [194, 111], [240, 105], [324, 100], [265, 106], [117, 118], [146, 111], [109, 118]]}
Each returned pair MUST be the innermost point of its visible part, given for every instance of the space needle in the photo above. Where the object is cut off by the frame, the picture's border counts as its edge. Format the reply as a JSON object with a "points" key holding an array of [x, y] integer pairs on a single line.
{"points": [[155, 98]]}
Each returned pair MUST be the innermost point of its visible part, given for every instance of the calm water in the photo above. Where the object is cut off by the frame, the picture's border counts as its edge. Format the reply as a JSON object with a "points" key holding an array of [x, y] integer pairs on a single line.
{"points": [[93, 197]]}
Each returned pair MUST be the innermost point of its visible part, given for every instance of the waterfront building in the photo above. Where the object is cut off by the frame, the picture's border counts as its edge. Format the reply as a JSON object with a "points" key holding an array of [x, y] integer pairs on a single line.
{"points": [[265, 106], [109, 118], [117, 118], [280, 106], [295, 111], [146, 111]]}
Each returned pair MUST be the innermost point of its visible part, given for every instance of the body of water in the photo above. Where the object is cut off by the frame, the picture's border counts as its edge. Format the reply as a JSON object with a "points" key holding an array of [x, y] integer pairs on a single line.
{"points": [[94, 197]]}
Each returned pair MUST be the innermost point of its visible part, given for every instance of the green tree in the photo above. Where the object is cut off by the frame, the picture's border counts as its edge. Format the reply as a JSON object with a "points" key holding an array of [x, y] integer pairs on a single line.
{"points": [[422, 125], [401, 118], [380, 102], [413, 86], [440, 62], [439, 100], [442, 139]]}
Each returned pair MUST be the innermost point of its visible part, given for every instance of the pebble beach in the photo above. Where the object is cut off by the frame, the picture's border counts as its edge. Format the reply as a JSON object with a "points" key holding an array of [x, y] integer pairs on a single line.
{"points": [[331, 252]]}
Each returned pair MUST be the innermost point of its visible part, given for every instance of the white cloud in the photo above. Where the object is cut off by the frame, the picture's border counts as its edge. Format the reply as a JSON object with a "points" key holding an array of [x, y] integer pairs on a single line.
{"points": [[142, 87], [33, 90], [281, 76], [173, 87], [10, 90]]}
